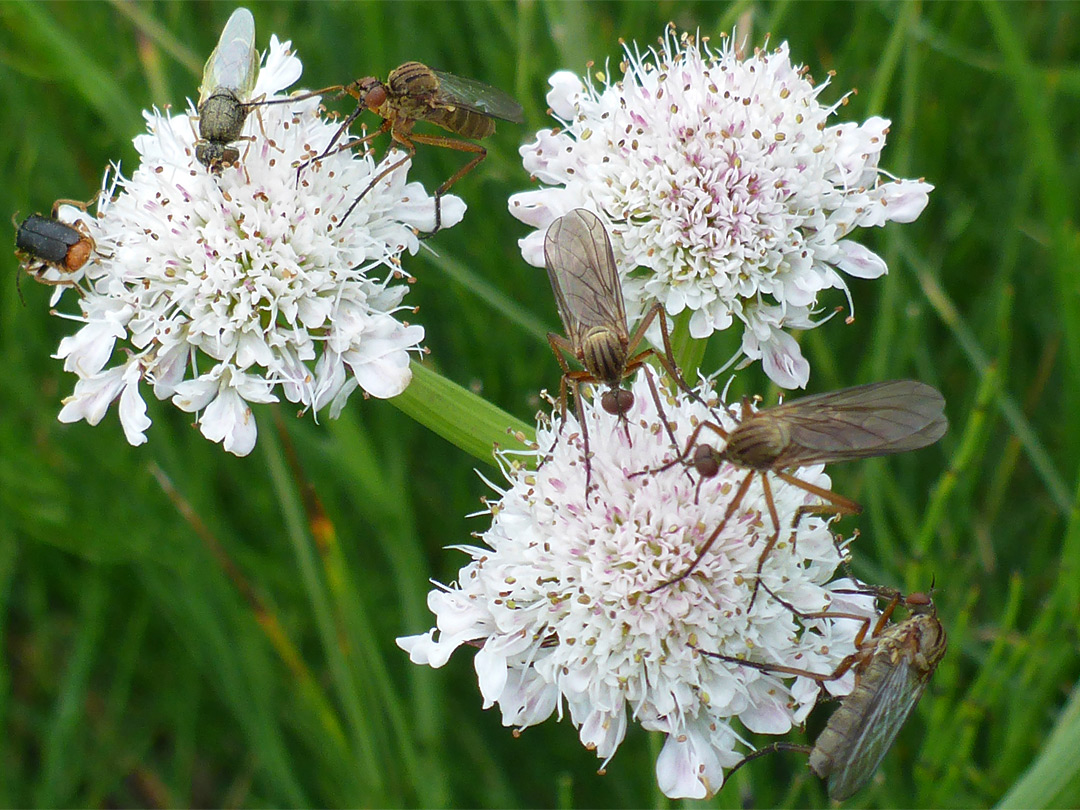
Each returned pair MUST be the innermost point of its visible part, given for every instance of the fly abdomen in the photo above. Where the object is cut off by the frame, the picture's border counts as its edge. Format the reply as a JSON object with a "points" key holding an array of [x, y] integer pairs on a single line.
{"points": [[603, 354], [832, 749], [465, 123]]}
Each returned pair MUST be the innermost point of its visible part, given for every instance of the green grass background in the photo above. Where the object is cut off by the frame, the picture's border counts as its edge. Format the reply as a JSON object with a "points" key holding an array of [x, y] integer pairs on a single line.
{"points": [[141, 668]]}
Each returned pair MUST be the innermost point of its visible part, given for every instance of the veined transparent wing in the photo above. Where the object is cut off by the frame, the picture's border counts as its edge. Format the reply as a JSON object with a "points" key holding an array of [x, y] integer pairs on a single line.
{"points": [[893, 701], [477, 97], [581, 267], [234, 63], [860, 422]]}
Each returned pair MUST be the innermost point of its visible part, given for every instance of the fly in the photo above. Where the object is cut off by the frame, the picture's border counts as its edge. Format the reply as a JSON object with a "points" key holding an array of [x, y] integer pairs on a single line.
{"points": [[892, 669], [228, 81], [860, 422], [413, 92], [588, 294]]}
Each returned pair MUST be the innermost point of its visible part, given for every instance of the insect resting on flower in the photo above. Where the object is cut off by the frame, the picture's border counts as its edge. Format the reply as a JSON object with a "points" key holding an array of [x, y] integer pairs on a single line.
{"points": [[588, 295], [413, 92], [892, 668], [228, 79], [44, 243], [860, 422]]}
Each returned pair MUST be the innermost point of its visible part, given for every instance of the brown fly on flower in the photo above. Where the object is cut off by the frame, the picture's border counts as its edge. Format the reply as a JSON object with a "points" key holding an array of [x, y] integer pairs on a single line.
{"points": [[860, 422], [892, 668], [588, 295], [413, 92]]}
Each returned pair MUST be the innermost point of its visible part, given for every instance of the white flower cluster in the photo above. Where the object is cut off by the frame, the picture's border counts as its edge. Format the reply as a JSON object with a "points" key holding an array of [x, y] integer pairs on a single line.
{"points": [[719, 178], [558, 597], [217, 289]]}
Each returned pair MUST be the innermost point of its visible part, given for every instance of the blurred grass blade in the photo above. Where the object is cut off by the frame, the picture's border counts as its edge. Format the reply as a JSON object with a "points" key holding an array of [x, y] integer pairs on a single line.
{"points": [[1021, 427], [971, 440], [41, 35], [492, 296], [1055, 769], [360, 730], [262, 613], [61, 758]]}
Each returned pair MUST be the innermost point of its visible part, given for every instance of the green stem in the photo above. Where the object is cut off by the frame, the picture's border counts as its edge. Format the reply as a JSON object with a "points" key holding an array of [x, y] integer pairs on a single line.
{"points": [[461, 417], [688, 351]]}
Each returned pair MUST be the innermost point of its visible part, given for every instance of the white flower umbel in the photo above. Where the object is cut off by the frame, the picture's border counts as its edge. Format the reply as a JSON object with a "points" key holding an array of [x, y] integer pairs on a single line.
{"points": [[220, 290], [720, 178], [557, 599]]}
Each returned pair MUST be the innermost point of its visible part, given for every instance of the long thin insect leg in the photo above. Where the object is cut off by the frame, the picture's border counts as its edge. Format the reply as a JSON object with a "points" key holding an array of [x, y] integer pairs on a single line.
{"points": [[687, 450], [835, 503], [77, 203], [769, 749], [659, 406], [410, 152], [334, 88], [771, 505], [584, 434], [736, 499], [559, 344], [877, 591], [666, 358], [331, 149], [461, 146]]}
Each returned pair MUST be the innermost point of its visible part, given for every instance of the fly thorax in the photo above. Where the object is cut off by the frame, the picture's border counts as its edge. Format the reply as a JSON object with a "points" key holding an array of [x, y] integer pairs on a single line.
{"points": [[930, 642], [221, 117], [603, 354], [758, 443], [413, 79]]}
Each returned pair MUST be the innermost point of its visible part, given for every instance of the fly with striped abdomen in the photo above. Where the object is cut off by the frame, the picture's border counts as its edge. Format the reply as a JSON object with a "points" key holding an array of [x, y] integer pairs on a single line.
{"points": [[861, 422], [413, 92], [588, 295]]}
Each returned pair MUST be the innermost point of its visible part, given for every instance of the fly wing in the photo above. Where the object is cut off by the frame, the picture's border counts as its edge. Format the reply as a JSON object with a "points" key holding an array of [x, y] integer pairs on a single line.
{"points": [[234, 63], [583, 275], [477, 97], [868, 420], [892, 703]]}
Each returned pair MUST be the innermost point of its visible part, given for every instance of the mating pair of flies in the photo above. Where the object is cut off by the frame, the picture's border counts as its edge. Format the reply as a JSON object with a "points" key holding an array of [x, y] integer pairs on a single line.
{"points": [[413, 92], [867, 420]]}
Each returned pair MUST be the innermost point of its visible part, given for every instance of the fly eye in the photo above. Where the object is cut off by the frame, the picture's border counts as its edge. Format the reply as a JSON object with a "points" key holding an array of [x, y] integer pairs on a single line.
{"points": [[918, 600], [375, 97], [617, 402], [705, 461]]}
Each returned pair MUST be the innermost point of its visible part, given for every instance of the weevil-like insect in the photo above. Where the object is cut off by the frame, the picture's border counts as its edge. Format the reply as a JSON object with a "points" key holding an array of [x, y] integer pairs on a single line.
{"points": [[860, 422], [228, 81], [44, 243], [892, 668], [588, 295]]}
